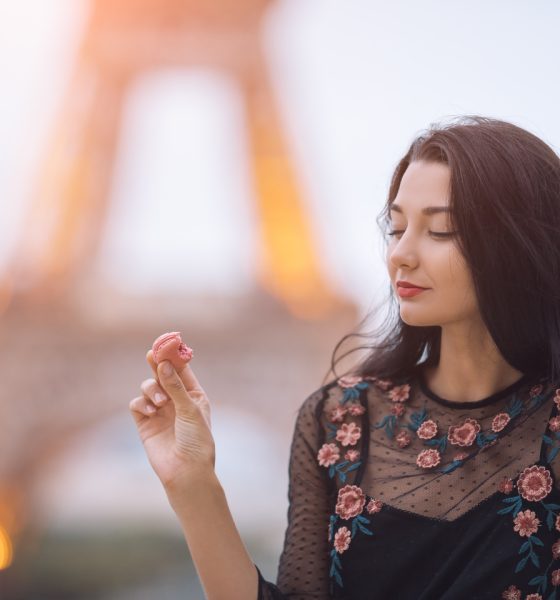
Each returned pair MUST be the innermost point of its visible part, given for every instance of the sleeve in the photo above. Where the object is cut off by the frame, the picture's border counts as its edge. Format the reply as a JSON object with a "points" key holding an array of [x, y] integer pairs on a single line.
{"points": [[303, 568]]}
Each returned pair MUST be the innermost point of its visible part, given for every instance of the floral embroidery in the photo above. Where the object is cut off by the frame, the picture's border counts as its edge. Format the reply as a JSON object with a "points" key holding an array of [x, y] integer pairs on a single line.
{"points": [[533, 597], [556, 549], [427, 430], [465, 434], [500, 421], [526, 523], [400, 393], [352, 455], [505, 486], [342, 539], [554, 424], [351, 501], [348, 434], [349, 381], [356, 410], [534, 483], [397, 410], [428, 459], [374, 506], [512, 593], [337, 414], [403, 439], [328, 454], [460, 456], [555, 577]]}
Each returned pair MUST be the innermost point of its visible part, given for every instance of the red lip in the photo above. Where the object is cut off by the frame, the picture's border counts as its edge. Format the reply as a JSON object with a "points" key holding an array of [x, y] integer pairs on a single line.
{"points": [[407, 284]]}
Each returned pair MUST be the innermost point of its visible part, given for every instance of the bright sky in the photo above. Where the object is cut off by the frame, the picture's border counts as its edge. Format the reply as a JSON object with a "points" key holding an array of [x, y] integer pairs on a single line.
{"points": [[356, 81]]}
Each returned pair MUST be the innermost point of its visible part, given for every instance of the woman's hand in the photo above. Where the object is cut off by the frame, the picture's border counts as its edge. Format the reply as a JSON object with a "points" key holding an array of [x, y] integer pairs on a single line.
{"points": [[173, 419]]}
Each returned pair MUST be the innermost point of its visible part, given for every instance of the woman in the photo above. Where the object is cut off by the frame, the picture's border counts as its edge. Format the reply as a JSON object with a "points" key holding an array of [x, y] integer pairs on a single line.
{"points": [[429, 471]]}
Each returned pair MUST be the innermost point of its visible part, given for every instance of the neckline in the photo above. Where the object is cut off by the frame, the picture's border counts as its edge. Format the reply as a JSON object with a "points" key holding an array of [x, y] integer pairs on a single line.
{"points": [[516, 385]]}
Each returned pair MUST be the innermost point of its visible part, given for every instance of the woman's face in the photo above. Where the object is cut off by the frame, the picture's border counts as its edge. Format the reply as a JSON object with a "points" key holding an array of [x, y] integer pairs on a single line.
{"points": [[423, 252]]}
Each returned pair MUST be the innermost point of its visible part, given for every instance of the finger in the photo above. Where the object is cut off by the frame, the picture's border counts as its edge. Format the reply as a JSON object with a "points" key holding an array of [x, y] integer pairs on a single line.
{"points": [[186, 374], [175, 389], [141, 407], [152, 389]]}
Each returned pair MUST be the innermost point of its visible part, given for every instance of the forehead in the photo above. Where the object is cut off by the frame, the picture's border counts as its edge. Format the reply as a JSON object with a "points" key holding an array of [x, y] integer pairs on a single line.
{"points": [[424, 189]]}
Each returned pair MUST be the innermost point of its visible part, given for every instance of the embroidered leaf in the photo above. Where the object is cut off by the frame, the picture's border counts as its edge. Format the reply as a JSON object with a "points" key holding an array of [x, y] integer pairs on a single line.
{"points": [[504, 511], [553, 454], [550, 506], [382, 424], [550, 520], [331, 471], [534, 559], [552, 595], [364, 529], [332, 433], [547, 439], [521, 564], [536, 540], [354, 527], [515, 406], [537, 580], [418, 418], [353, 467], [352, 393], [511, 499], [362, 519], [342, 476], [451, 467], [524, 547]]}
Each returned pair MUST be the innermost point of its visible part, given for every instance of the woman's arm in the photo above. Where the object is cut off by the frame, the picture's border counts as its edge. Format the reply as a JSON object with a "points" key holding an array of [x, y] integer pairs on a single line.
{"points": [[173, 420]]}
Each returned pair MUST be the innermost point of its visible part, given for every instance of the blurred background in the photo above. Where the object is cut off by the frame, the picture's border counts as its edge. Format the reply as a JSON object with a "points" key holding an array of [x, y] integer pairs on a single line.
{"points": [[213, 167]]}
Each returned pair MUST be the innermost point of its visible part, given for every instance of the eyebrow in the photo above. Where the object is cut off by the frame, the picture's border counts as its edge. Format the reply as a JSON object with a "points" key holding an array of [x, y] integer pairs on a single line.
{"points": [[428, 210]]}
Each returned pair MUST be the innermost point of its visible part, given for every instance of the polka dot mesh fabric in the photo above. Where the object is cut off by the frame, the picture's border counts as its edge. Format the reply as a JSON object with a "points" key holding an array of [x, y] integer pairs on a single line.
{"points": [[388, 471]]}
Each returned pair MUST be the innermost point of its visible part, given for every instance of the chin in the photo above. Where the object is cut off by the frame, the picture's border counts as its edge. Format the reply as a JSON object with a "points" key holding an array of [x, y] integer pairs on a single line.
{"points": [[416, 318]]}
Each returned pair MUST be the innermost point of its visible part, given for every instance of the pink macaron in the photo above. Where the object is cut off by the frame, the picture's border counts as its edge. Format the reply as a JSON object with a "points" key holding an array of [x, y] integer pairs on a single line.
{"points": [[169, 346]]}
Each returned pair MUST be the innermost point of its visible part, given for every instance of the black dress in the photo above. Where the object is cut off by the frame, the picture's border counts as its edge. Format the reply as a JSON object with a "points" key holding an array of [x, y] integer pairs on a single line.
{"points": [[396, 493]]}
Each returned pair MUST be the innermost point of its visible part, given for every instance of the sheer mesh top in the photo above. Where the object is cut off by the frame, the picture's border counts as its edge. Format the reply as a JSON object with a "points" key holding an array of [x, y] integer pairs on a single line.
{"points": [[364, 448]]}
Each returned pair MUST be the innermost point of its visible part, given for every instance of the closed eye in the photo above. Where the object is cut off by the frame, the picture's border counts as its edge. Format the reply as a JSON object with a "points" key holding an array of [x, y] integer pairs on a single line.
{"points": [[437, 234]]}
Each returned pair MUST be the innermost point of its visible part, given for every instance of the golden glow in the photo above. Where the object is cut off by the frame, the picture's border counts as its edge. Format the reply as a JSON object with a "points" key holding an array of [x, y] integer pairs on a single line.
{"points": [[6, 550]]}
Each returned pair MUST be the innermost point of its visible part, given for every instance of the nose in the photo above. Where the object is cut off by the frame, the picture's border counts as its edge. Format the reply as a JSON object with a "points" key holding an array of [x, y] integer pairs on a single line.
{"points": [[403, 253]]}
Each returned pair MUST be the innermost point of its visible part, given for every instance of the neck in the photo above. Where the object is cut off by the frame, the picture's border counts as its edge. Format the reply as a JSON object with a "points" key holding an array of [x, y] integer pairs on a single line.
{"points": [[470, 365]]}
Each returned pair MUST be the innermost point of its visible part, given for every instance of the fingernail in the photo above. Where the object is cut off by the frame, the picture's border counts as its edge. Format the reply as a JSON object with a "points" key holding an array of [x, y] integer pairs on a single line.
{"points": [[159, 398], [167, 368]]}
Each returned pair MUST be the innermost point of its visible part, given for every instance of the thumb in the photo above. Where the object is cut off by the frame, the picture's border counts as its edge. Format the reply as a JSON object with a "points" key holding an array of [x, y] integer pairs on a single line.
{"points": [[172, 384]]}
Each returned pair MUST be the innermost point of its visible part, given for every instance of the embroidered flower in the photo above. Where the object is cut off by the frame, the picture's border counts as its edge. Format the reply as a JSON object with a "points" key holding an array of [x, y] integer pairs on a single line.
{"points": [[427, 430], [349, 381], [328, 454], [352, 455], [557, 397], [505, 486], [555, 577], [356, 410], [348, 434], [403, 439], [374, 506], [512, 593], [342, 539], [350, 501], [428, 459], [554, 424], [460, 456], [557, 523], [556, 550], [465, 434], [398, 410], [534, 483], [400, 393], [533, 597], [384, 384], [500, 421], [337, 414], [535, 390], [526, 523]]}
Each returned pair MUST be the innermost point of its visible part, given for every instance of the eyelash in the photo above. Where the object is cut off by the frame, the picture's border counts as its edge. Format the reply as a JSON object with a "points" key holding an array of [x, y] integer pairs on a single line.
{"points": [[435, 233]]}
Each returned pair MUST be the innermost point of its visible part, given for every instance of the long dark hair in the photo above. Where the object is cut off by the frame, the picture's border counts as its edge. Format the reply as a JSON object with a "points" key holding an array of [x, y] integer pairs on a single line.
{"points": [[505, 206]]}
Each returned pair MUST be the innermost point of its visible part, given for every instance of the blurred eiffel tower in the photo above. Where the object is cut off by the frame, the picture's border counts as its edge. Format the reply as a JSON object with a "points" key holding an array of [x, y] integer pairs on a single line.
{"points": [[63, 228], [123, 40]]}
